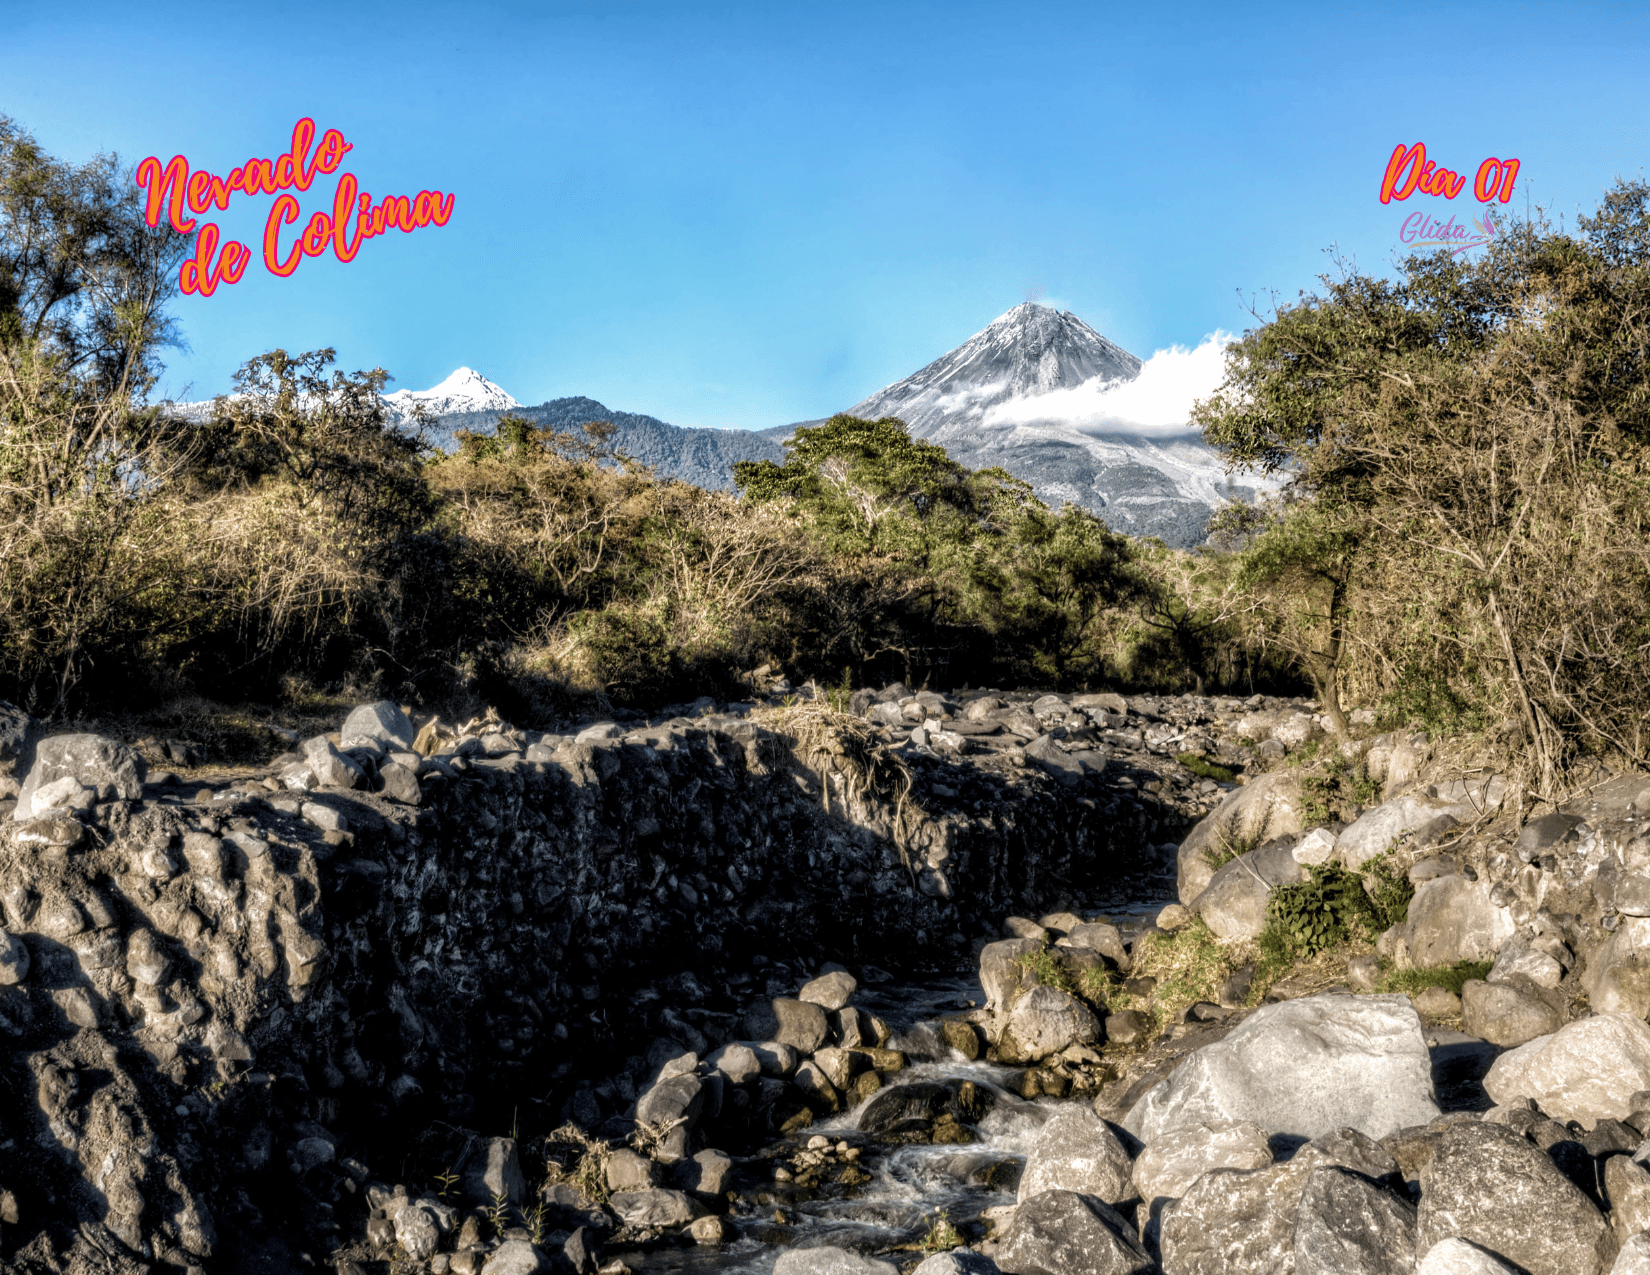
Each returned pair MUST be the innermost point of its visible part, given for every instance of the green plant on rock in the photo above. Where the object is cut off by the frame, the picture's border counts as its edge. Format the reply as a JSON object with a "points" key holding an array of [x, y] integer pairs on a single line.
{"points": [[942, 1234], [1046, 971], [1328, 908], [498, 1213], [1389, 892], [445, 1181], [1205, 769], [1450, 977], [1228, 845]]}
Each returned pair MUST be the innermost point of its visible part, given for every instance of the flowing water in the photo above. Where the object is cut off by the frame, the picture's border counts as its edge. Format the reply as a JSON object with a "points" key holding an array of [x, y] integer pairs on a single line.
{"points": [[910, 1186]]}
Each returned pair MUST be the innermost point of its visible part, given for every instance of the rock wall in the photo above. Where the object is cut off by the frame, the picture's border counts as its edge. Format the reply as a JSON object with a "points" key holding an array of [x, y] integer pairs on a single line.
{"points": [[214, 1004]]}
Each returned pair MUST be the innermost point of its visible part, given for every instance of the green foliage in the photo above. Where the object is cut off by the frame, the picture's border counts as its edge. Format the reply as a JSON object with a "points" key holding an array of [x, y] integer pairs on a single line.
{"points": [[1389, 892], [1450, 977], [942, 1235], [1228, 846], [1327, 909], [1190, 965], [1208, 770], [1046, 971]]}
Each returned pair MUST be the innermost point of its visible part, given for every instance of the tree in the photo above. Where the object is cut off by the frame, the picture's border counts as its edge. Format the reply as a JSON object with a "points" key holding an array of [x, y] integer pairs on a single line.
{"points": [[1467, 452]]}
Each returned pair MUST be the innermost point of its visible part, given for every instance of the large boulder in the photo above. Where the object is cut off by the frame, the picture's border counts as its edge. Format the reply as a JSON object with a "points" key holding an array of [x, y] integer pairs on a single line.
{"points": [[1588, 1070], [1347, 1225], [829, 991], [106, 766], [1266, 808], [1233, 904], [1063, 1233], [1077, 1151], [1452, 919], [381, 725], [1304, 1067], [1169, 1165], [1046, 1020], [1491, 1185]]}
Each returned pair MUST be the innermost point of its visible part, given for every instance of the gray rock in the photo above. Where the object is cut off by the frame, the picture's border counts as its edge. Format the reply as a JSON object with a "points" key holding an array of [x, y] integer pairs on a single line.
{"points": [[1490, 1185], [1627, 1188], [1001, 974], [654, 1206], [1505, 1014], [674, 1106], [959, 1261], [1460, 1257], [14, 960], [1046, 1020], [1588, 1070], [829, 1261], [106, 766], [1127, 1027], [801, 1025], [1417, 818], [1167, 1167], [490, 1167], [330, 767], [737, 1062], [1233, 1223], [1076, 1151], [1063, 1233], [416, 1231], [627, 1171], [381, 723], [1346, 1225], [1233, 904], [776, 1060], [1064, 767], [706, 1174], [1452, 920], [829, 991], [516, 1257], [1540, 835], [1306, 1067], [1105, 939], [1634, 1258], [1266, 808], [398, 783], [598, 733], [1518, 958]]}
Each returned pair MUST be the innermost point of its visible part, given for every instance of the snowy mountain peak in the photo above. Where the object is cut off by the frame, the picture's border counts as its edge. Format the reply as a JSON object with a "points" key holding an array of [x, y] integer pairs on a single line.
{"points": [[1031, 350], [1049, 399], [466, 390]]}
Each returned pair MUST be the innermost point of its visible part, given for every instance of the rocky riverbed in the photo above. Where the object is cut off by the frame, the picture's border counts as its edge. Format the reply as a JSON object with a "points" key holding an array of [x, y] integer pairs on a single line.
{"points": [[771, 987]]}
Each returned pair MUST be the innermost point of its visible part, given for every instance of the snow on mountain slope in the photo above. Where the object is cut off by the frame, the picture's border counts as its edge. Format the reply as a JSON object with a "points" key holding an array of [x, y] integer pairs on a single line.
{"points": [[466, 390], [1048, 398]]}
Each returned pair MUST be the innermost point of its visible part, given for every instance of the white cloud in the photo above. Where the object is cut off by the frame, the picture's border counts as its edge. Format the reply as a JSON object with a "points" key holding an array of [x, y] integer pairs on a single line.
{"points": [[1153, 405]]}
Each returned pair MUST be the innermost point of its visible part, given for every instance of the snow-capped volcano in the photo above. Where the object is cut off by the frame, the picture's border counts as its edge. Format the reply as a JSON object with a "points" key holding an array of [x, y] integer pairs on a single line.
{"points": [[1048, 398], [466, 390]]}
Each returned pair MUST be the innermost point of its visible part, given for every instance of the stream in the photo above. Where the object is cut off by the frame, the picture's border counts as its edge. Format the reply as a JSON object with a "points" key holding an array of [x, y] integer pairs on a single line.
{"points": [[910, 1186]]}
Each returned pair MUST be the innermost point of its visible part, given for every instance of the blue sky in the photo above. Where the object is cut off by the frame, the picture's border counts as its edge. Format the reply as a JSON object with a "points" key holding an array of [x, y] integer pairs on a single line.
{"points": [[741, 215]]}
